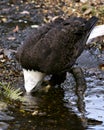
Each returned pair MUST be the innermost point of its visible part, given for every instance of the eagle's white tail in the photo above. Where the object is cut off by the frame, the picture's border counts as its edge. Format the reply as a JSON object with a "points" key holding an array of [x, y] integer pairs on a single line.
{"points": [[96, 32]]}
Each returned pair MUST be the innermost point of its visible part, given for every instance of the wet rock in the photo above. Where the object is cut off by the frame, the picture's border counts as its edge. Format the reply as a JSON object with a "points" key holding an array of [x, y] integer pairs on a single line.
{"points": [[87, 60], [5, 117], [3, 126]]}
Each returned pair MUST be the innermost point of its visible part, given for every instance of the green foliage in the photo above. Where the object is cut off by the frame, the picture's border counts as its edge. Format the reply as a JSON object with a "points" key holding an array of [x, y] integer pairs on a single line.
{"points": [[10, 92]]}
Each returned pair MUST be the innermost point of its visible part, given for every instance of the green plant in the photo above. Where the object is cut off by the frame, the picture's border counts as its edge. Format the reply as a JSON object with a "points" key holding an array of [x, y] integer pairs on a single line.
{"points": [[10, 92]]}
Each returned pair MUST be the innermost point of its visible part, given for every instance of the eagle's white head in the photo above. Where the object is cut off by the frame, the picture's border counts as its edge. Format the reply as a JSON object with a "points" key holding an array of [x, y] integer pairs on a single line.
{"points": [[32, 79]]}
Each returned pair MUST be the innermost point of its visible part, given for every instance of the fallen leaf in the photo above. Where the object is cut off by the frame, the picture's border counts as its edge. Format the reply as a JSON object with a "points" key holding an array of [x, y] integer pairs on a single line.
{"points": [[4, 20], [101, 66], [1, 56], [16, 29], [3, 60], [11, 38], [83, 1], [34, 26], [35, 112], [88, 11], [24, 12]]}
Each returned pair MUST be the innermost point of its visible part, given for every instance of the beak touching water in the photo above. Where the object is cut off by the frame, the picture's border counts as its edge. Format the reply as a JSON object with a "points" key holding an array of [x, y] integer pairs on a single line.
{"points": [[32, 80]]}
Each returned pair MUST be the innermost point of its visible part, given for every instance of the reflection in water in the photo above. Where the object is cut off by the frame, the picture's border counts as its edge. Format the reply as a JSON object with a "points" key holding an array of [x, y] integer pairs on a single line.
{"points": [[4, 117], [3, 126], [49, 112]]}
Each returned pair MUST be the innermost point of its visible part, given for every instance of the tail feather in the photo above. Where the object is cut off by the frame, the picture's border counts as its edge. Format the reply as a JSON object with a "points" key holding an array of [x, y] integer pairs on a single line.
{"points": [[96, 32], [91, 23]]}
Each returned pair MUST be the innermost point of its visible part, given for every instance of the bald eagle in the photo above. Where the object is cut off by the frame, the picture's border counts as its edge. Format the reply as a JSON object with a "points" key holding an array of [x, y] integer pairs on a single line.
{"points": [[52, 49]]}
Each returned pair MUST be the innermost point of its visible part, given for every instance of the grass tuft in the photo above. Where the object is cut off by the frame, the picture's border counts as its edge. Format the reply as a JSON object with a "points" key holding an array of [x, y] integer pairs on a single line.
{"points": [[10, 92]]}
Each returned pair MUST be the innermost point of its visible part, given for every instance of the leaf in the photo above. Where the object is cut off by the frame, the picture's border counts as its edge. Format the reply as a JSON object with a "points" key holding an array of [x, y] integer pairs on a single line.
{"points": [[101, 66], [11, 38], [25, 12], [88, 11], [16, 29]]}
